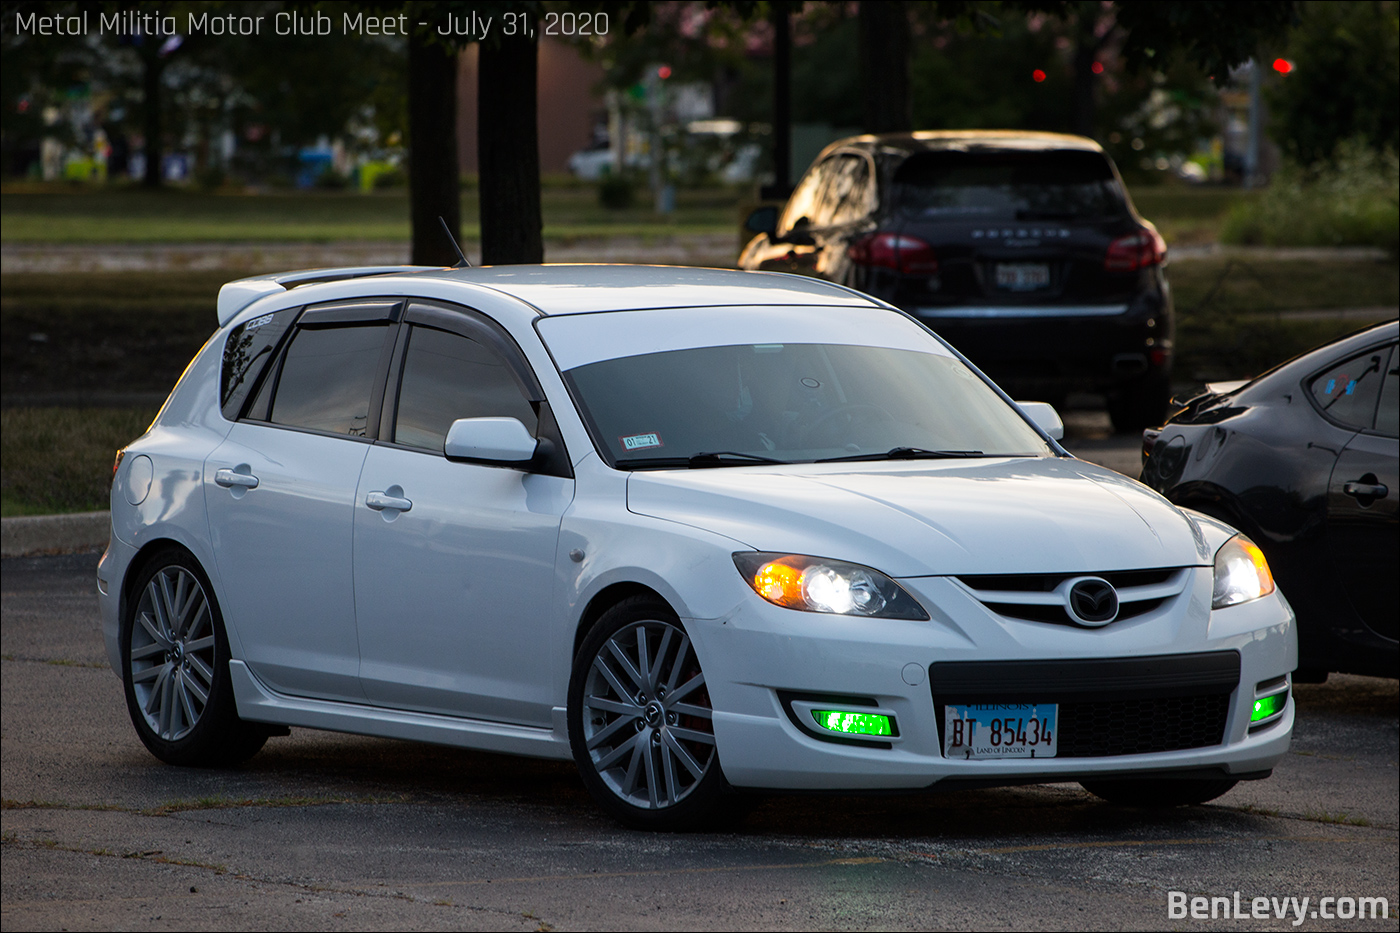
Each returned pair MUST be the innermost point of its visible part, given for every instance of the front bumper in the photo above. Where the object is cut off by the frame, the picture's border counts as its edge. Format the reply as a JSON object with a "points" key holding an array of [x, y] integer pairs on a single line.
{"points": [[760, 656]]}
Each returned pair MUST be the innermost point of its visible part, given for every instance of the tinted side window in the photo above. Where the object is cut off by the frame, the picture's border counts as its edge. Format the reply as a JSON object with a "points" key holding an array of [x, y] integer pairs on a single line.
{"points": [[1388, 412], [1347, 392], [447, 376], [803, 202], [846, 195], [327, 378], [249, 348]]}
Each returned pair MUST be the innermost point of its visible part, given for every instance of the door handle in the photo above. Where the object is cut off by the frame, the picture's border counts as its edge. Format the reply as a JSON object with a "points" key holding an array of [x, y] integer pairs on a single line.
{"points": [[379, 501], [1366, 490], [229, 479]]}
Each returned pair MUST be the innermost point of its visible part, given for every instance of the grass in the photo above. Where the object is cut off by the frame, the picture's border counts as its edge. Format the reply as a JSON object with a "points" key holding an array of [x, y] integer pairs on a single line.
{"points": [[1189, 216], [132, 215], [1230, 314], [60, 459]]}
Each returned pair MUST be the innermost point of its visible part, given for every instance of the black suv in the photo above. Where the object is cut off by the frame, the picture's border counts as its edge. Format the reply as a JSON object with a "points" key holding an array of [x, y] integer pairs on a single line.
{"points": [[1022, 249]]}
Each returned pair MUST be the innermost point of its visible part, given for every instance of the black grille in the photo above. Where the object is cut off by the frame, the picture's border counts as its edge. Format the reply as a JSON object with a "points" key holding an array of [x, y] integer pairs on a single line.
{"points": [[1107, 706], [1036, 612], [1046, 582], [1137, 727]]}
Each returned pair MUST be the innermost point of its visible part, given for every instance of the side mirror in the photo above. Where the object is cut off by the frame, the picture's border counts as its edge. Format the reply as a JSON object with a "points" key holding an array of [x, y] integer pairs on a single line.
{"points": [[763, 220], [1044, 416], [494, 441]]}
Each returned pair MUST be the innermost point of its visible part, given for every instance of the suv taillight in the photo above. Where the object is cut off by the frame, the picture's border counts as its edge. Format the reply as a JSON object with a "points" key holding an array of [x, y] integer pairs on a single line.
{"points": [[908, 254], [1135, 251]]}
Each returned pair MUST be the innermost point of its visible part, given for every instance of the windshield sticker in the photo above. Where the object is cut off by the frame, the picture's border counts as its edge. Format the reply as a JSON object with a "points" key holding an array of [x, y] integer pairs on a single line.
{"points": [[641, 441]]}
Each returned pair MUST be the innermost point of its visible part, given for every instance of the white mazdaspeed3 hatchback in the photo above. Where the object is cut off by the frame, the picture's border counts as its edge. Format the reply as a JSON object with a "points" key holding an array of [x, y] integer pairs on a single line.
{"points": [[698, 530]]}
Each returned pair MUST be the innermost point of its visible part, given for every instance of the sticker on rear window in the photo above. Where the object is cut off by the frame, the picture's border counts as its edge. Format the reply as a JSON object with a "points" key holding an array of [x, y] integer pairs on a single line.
{"points": [[640, 441], [257, 322]]}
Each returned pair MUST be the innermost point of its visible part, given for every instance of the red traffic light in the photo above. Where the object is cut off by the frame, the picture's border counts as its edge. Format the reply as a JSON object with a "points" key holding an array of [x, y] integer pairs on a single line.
{"points": [[1283, 66]]}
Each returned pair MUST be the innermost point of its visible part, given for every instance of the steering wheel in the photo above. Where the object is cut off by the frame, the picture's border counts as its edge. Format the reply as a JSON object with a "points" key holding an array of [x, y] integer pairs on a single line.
{"points": [[843, 418]]}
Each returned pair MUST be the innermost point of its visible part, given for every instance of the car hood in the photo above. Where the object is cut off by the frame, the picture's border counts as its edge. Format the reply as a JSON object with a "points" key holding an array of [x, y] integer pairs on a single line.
{"points": [[1001, 515]]}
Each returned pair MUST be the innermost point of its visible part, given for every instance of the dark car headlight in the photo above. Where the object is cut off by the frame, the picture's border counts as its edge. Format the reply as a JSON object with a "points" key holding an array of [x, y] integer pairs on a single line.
{"points": [[816, 584]]}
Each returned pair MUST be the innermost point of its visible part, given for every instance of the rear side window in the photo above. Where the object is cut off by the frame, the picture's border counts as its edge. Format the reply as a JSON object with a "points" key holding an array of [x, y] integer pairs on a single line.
{"points": [[448, 376], [1347, 393], [251, 345], [1053, 185], [327, 378]]}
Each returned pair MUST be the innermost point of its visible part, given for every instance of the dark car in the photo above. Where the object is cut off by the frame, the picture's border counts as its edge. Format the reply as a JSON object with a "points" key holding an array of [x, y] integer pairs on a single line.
{"points": [[1021, 249], [1303, 460]]}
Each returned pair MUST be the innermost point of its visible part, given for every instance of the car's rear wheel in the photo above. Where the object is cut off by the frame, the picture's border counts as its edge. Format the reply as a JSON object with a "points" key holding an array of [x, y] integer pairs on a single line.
{"points": [[175, 668], [640, 720], [1157, 793]]}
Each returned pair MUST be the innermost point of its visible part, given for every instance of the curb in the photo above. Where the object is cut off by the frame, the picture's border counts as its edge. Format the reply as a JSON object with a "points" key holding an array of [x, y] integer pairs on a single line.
{"points": [[38, 534]]}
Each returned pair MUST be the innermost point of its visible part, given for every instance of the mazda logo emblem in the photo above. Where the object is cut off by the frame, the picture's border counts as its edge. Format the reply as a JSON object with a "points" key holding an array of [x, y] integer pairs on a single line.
{"points": [[1092, 601]]}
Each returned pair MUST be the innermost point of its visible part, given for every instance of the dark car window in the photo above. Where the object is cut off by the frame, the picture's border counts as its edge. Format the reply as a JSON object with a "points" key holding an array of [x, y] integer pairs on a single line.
{"points": [[447, 376], [1007, 186], [1388, 412], [1347, 393], [845, 195], [246, 353], [327, 378]]}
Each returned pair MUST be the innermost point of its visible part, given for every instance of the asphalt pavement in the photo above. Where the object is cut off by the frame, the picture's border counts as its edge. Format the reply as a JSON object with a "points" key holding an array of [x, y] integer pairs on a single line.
{"points": [[328, 831]]}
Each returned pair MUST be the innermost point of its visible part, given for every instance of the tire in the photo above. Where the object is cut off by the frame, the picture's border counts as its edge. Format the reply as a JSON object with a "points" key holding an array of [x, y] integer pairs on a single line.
{"points": [[1158, 793], [641, 724], [1141, 403], [175, 668]]}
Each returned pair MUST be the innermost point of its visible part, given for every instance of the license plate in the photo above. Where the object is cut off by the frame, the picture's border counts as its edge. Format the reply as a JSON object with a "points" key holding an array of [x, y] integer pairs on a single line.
{"points": [[1022, 276], [1011, 730]]}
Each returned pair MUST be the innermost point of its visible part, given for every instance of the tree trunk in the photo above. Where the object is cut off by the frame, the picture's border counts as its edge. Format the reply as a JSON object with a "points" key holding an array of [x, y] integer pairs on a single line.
{"points": [[151, 68], [1086, 50], [782, 102], [884, 67], [433, 182], [508, 152]]}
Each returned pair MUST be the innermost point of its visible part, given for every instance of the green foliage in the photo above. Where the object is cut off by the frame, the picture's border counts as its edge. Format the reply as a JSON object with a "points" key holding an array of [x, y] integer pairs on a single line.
{"points": [[616, 192], [1352, 201], [1345, 83]]}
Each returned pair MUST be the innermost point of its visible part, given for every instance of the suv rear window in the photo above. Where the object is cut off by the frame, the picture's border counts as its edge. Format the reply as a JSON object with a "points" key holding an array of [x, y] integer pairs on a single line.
{"points": [[1054, 185]]}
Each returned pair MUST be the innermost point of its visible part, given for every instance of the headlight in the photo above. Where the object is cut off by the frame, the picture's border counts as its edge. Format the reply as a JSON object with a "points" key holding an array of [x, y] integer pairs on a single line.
{"points": [[1241, 573], [815, 584]]}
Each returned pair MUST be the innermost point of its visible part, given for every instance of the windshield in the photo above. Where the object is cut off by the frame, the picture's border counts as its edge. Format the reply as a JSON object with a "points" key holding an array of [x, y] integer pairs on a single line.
{"points": [[793, 403], [1007, 186]]}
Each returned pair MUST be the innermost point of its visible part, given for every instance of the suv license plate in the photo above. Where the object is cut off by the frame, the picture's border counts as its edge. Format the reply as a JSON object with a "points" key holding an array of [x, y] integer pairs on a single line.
{"points": [[1011, 730], [1023, 276]]}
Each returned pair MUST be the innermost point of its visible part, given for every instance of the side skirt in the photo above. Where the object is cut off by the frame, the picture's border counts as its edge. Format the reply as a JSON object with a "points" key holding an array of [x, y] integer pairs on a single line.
{"points": [[258, 703]]}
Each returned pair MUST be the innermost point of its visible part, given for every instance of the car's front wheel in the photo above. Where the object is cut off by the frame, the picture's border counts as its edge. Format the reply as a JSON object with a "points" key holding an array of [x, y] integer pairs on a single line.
{"points": [[640, 720], [1154, 793], [175, 668]]}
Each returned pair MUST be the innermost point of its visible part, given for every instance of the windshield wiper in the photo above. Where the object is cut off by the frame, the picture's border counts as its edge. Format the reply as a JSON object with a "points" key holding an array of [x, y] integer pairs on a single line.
{"points": [[709, 458], [906, 453]]}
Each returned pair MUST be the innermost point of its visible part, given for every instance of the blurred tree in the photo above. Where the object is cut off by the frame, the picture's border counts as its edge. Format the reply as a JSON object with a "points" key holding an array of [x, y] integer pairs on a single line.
{"points": [[1345, 80]]}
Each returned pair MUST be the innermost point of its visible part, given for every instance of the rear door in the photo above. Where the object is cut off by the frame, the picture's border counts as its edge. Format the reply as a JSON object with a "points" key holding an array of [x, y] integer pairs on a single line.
{"points": [[280, 493]]}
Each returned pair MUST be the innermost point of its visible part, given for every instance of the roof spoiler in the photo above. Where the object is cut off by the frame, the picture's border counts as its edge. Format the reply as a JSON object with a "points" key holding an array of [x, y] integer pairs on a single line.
{"points": [[239, 294]]}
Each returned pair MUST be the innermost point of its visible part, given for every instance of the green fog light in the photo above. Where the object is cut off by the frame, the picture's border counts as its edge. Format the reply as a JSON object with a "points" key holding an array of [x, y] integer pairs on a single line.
{"points": [[1264, 707], [838, 720]]}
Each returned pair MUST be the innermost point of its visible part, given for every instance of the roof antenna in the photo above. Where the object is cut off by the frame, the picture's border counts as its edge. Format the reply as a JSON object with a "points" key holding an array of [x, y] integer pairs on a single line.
{"points": [[461, 256]]}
